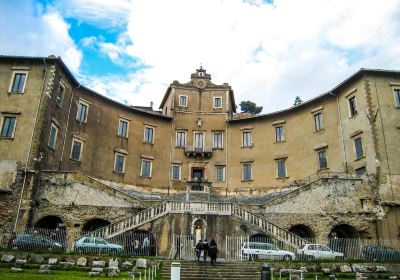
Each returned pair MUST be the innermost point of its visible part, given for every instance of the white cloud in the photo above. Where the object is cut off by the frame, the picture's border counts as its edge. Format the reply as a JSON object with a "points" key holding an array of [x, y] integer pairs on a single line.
{"points": [[104, 13], [268, 53], [36, 33]]}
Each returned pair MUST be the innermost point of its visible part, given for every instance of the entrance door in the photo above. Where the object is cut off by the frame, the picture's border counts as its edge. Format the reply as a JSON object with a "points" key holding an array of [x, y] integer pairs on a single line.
{"points": [[197, 174]]}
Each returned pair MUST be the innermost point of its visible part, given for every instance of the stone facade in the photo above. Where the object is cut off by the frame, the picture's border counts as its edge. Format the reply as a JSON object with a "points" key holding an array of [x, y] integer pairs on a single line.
{"points": [[196, 143]]}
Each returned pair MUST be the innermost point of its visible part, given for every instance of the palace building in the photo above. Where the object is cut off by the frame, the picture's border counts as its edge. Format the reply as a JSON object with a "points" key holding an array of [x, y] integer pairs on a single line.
{"points": [[71, 156]]}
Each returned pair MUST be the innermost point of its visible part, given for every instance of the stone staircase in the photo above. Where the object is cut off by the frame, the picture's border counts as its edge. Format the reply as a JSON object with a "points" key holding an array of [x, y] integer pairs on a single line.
{"points": [[190, 270], [199, 208]]}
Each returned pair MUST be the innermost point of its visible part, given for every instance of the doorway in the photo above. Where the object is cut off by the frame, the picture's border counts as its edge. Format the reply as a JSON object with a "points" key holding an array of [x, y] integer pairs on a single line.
{"points": [[197, 176]]}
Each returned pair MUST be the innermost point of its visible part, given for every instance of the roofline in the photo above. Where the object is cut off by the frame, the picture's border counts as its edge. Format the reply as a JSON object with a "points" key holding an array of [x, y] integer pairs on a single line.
{"points": [[328, 94], [74, 80]]}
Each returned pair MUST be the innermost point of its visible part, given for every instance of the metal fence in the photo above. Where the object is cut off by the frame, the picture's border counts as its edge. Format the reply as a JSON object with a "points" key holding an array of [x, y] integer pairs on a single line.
{"points": [[231, 248], [140, 243], [351, 248]]}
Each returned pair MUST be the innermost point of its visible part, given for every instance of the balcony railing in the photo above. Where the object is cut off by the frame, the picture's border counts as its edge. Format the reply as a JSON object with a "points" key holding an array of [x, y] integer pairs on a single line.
{"points": [[198, 152]]}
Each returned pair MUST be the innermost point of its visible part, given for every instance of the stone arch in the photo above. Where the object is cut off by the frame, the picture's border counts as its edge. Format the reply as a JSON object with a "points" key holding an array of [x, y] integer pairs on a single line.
{"points": [[344, 231], [303, 231], [199, 228], [49, 222], [94, 224]]}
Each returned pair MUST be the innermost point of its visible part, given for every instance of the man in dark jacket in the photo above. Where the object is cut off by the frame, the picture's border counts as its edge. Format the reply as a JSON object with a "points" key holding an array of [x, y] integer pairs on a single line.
{"points": [[198, 249], [213, 251]]}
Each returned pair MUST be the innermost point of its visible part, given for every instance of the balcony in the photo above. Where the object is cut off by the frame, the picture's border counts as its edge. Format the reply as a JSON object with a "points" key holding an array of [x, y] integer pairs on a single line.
{"points": [[198, 152], [199, 184]]}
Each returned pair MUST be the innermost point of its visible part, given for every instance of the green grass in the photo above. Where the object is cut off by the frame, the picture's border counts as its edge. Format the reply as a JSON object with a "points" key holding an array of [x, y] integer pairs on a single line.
{"points": [[33, 274]]}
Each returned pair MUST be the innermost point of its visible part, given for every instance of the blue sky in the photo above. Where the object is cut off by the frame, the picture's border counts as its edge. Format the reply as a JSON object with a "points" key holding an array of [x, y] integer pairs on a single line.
{"points": [[268, 51]]}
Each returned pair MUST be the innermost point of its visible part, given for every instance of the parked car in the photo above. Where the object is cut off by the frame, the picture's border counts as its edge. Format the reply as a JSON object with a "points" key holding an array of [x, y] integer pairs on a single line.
{"points": [[34, 242], [98, 245], [381, 253], [261, 250], [318, 251]]}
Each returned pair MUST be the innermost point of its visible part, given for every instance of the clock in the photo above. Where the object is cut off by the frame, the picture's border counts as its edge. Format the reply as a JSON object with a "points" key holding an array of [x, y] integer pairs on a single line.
{"points": [[201, 84]]}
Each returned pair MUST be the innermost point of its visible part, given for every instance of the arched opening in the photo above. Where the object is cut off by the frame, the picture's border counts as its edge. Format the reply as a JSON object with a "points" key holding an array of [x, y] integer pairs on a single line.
{"points": [[94, 224], [199, 227], [260, 237], [137, 242], [344, 231], [303, 231], [51, 227], [341, 236], [49, 222]]}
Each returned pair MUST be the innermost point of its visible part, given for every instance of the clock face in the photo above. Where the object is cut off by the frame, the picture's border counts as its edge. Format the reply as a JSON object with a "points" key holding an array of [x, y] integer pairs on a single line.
{"points": [[201, 84]]}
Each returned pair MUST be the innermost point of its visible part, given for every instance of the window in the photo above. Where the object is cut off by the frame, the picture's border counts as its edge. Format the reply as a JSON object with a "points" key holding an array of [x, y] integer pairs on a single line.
{"points": [[361, 170], [281, 168], [220, 173], [217, 102], [198, 141], [247, 172], [119, 163], [18, 81], [397, 98], [146, 168], [323, 163], [358, 148], [81, 114], [280, 134], [53, 136], [217, 144], [8, 127], [247, 139], [183, 100], [181, 139], [352, 106], [76, 150], [318, 121], [148, 134], [60, 94], [123, 128], [176, 172]]}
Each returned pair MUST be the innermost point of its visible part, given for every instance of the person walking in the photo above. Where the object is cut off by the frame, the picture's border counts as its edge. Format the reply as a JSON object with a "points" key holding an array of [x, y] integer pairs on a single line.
{"points": [[205, 249], [213, 251], [198, 249]]}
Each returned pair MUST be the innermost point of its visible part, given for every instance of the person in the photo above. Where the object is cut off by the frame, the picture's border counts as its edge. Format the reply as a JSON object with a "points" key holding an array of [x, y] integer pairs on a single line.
{"points": [[198, 249], [213, 251], [136, 245], [145, 246], [205, 250]]}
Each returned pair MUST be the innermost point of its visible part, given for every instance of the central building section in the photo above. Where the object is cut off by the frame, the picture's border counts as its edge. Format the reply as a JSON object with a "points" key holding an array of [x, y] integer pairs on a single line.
{"points": [[200, 110]]}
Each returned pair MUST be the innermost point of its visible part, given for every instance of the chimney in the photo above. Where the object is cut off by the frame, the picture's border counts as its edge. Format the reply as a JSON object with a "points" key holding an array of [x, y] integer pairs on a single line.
{"points": [[151, 105]]}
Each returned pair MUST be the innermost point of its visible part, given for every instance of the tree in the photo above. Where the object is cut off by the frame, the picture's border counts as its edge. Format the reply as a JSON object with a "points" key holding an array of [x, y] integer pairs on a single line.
{"points": [[297, 101], [250, 107]]}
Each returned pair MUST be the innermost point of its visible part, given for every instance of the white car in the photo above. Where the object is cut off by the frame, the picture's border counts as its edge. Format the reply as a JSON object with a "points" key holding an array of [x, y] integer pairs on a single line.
{"points": [[260, 250], [318, 251]]}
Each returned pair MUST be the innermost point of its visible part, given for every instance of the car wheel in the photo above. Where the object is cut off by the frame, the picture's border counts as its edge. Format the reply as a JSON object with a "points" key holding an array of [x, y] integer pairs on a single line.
{"points": [[287, 258]]}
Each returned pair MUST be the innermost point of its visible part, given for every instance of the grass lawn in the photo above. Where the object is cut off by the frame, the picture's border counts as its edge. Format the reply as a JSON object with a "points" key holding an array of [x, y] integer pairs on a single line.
{"points": [[33, 274]]}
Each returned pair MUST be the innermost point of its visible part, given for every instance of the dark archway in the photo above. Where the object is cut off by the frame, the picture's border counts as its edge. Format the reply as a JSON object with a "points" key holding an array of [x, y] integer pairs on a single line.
{"points": [[49, 222], [94, 224], [260, 237], [344, 231], [303, 231]]}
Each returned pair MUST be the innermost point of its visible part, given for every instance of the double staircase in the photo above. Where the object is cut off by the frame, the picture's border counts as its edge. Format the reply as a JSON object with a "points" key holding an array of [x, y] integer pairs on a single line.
{"points": [[202, 208], [190, 270]]}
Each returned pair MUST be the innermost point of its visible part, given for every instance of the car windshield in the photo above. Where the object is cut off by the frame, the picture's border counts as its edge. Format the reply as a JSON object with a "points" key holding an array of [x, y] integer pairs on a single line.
{"points": [[100, 241], [325, 248]]}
